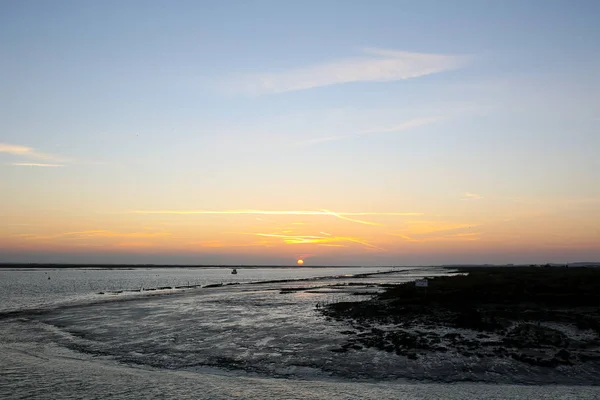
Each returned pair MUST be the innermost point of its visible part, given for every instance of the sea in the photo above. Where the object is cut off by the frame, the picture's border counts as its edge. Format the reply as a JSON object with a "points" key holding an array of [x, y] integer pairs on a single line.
{"points": [[205, 333]]}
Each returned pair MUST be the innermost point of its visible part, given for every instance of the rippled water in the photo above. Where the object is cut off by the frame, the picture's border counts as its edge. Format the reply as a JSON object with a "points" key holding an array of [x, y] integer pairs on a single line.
{"points": [[247, 340]]}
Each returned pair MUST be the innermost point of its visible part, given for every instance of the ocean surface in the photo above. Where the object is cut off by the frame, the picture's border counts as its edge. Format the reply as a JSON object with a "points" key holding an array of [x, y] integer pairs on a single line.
{"points": [[203, 333]]}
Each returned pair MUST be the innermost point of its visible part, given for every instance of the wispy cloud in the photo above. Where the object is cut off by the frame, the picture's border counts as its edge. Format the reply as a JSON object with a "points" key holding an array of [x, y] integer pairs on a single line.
{"points": [[443, 237], [421, 227], [220, 244], [93, 234], [454, 238], [340, 215], [472, 234], [420, 231], [344, 216], [30, 153], [320, 240], [134, 245], [14, 149], [25, 151], [273, 212], [472, 196], [375, 65], [414, 123], [23, 164]]}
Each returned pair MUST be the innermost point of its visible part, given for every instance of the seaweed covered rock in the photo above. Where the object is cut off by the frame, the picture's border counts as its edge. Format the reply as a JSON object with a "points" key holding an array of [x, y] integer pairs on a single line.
{"points": [[535, 336], [543, 317]]}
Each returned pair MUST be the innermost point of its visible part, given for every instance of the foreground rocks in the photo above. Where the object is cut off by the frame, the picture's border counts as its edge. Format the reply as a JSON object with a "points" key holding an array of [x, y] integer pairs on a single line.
{"points": [[542, 317]]}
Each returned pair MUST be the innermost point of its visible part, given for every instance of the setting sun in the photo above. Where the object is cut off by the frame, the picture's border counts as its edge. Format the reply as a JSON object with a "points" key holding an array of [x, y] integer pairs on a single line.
{"points": [[300, 261]]}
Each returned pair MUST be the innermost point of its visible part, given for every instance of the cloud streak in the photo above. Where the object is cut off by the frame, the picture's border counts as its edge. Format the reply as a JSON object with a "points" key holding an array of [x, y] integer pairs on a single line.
{"points": [[15, 149], [272, 212], [30, 153], [340, 215], [456, 237], [472, 196], [432, 231], [219, 244], [23, 164], [451, 238], [93, 234], [320, 240], [414, 123], [375, 65]]}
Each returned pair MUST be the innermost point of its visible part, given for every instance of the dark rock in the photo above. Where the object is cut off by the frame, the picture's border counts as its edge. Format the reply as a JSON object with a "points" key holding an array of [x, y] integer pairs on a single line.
{"points": [[453, 336], [435, 340], [535, 336], [339, 350], [563, 354]]}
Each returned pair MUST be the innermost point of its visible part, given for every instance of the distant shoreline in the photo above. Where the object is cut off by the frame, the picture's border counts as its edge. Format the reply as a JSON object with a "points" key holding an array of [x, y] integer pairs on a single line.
{"points": [[187, 266], [157, 266]]}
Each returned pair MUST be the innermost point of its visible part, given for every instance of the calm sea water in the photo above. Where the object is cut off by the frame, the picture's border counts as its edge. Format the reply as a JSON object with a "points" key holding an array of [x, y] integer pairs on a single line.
{"points": [[33, 288], [61, 338]]}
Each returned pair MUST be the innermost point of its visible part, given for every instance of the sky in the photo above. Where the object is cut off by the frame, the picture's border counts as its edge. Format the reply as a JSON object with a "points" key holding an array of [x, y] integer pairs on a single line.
{"points": [[264, 132]]}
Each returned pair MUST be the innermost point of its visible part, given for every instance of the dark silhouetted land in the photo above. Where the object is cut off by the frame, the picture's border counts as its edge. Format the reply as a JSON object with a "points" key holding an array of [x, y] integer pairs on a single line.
{"points": [[544, 317]]}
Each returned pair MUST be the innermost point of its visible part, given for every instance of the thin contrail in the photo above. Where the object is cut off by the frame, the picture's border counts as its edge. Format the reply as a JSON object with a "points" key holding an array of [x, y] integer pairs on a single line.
{"points": [[339, 215]]}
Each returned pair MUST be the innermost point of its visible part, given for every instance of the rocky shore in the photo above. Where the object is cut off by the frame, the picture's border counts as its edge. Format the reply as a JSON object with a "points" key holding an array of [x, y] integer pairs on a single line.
{"points": [[529, 318]]}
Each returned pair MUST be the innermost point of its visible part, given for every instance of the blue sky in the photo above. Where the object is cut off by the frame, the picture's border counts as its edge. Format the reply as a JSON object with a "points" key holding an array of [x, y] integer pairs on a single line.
{"points": [[468, 113]]}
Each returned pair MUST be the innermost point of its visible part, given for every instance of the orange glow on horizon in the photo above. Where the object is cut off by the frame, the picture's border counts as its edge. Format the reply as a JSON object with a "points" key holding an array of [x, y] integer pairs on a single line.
{"points": [[284, 234], [300, 261]]}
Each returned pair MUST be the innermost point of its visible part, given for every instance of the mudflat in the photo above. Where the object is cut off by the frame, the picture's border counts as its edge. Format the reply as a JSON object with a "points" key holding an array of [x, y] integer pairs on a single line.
{"points": [[537, 317]]}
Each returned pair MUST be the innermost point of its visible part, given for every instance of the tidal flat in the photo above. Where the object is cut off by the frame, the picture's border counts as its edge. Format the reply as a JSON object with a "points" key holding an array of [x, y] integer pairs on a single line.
{"points": [[263, 333]]}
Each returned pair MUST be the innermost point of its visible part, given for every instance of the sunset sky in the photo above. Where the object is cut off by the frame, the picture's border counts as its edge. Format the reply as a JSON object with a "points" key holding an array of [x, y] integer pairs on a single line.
{"points": [[262, 132]]}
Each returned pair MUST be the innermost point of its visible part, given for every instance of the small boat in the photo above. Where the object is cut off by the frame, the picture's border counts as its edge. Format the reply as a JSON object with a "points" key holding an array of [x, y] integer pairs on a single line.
{"points": [[234, 271]]}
